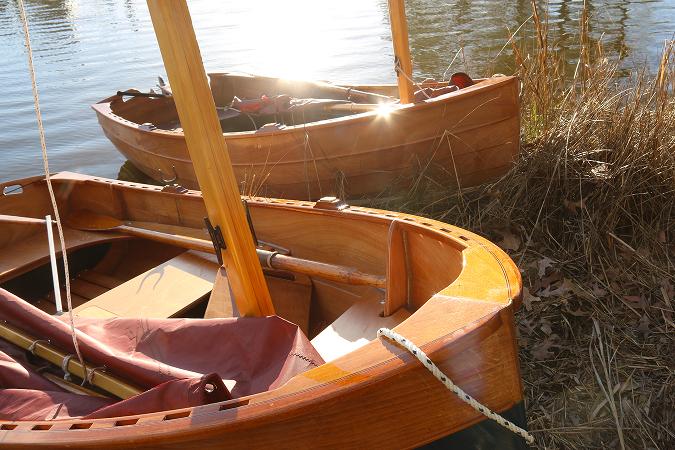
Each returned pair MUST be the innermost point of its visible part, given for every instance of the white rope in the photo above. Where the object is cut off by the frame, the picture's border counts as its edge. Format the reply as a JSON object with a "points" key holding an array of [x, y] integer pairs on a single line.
{"points": [[426, 361], [45, 163]]}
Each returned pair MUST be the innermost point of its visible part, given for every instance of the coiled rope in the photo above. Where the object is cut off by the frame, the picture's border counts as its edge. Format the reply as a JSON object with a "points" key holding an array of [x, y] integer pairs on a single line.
{"points": [[443, 378], [45, 163]]}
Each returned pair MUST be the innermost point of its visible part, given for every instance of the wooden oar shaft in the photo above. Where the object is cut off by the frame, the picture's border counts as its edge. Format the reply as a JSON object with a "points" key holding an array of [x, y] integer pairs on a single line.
{"points": [[20, 220], [352, 107], [355, 94], [341, 274], [190, 243], [208, 151], [46, 351]]}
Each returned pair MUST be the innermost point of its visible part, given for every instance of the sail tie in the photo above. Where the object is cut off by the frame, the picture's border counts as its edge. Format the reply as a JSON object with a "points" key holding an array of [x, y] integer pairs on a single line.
{"points": [[64, 366], [31, 348], [443, 378]]}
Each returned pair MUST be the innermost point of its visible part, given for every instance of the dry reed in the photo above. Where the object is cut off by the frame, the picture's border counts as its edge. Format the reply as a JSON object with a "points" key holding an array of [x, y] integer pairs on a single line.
{"points": [[588, 213]]}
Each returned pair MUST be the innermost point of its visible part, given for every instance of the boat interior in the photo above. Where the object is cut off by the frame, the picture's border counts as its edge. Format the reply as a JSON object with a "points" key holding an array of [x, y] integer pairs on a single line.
{"points": [[312, 102], [115, 275]]}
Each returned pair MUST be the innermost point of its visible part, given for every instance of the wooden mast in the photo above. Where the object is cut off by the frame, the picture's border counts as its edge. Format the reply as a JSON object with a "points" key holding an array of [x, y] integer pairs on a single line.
{"points": [[399, 36], [208, 151]]}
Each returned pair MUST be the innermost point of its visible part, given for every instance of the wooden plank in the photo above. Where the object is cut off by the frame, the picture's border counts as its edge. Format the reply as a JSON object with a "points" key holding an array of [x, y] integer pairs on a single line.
{"points": [[398, 269], [100, 279], [356, 327], [86, 289], [209, 154], [399, 36], [163, 291], [33, 251], [291, 298]]}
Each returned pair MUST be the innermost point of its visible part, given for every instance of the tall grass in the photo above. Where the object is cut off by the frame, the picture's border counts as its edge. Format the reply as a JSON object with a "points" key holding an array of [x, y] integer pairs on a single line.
{"points": [[591, 202]]}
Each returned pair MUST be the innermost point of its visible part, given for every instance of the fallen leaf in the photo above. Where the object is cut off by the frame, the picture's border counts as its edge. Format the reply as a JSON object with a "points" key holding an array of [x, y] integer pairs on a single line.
{"points": [[598, 291], [542, 351], [528, 299], [543, 264], [509, 241], [636, 300], [565, 287], [546, 281]]}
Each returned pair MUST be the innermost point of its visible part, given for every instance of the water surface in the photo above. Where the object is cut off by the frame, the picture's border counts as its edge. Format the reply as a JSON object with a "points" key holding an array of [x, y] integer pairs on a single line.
{"points": [[86, 50]]}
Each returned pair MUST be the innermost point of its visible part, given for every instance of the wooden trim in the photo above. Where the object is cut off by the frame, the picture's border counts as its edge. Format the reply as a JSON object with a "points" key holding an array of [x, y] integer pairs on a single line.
{"points": [[209, 154], [399, 37], [466, 328]]}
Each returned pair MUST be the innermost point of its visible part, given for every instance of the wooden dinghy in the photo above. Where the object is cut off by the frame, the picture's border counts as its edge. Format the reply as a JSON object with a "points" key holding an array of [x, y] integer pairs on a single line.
{"points": [[361, 144], [449, 291]]}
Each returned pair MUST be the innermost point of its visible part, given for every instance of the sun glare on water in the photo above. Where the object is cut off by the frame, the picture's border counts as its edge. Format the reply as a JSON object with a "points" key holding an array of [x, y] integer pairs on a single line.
{"points": [[300, 39]]}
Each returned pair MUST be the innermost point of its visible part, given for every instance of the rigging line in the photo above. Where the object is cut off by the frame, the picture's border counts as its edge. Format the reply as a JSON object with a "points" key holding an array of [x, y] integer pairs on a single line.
{"points": [[399, 70], [45, 162], [448, 383]]}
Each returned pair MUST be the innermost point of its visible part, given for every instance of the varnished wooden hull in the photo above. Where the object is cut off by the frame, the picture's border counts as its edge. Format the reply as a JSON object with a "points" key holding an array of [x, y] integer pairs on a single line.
{"points": [[463, 291], [462, 138]]}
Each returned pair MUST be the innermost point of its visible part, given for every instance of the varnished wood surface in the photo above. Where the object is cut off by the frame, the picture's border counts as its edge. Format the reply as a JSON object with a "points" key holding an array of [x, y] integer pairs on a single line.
{"points": [[463, 292], [465, 137], [164, 291], [33, 250], [209, 154], [402, 59]]}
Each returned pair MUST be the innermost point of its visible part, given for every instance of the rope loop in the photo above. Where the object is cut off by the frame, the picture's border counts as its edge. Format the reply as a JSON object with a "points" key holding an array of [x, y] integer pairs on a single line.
{"points": [[443, 378], [64, 366], [31, 348], [90, 374]]}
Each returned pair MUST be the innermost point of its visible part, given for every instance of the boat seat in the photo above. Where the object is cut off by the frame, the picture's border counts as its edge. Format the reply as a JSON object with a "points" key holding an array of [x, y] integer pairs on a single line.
{"points": [[356, 327], [178, 284], [33, 251], [161, 292]]}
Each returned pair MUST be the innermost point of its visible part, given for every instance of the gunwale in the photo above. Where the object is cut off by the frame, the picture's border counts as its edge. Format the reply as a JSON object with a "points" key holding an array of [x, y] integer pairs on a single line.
{"points": [[485, 85], [295, 400]]}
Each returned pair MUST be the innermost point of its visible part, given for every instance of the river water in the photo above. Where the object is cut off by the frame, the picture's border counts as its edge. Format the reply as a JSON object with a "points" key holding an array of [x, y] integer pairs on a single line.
{"points": [[86, 50]]}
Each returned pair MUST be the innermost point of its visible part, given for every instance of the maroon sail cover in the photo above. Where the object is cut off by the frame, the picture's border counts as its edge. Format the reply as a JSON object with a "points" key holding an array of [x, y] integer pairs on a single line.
{"points": [[172, 360]]}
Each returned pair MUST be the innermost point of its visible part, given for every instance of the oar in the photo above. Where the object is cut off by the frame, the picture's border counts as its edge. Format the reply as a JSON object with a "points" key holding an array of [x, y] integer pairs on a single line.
{"points": [[20, 220], [361, 107], [46, 351], [90, 221]]}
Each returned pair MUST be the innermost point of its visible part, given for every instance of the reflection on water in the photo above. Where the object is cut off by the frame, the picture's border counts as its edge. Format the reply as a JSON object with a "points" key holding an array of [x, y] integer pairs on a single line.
{"points": [[87, 49]]}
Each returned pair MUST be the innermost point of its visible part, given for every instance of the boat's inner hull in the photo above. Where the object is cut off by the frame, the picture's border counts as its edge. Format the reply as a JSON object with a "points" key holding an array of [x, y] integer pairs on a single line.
{"points": [[447, 290]]}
